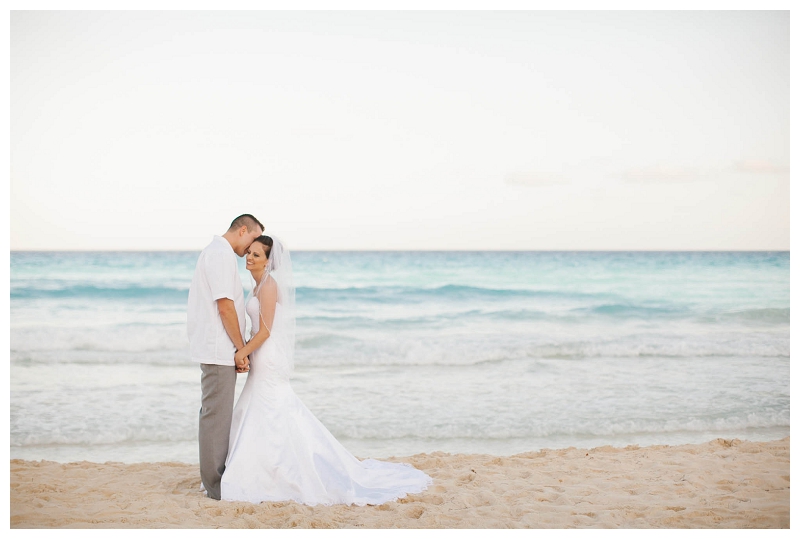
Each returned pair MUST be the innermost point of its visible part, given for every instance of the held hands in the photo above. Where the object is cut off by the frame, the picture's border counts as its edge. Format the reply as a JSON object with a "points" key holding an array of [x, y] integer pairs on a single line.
{"points": [[242, 361]]}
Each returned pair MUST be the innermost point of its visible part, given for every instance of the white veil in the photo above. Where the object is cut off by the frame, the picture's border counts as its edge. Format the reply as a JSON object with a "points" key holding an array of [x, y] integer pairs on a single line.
{"points": [[279, 267]]}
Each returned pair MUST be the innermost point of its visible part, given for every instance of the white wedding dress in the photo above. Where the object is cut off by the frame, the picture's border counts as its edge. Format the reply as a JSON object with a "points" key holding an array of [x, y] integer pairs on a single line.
{"points": [[279, 451]]}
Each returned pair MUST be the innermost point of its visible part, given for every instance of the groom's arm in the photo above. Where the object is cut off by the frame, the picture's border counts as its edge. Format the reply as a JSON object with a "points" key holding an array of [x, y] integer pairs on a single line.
{"points": [[230, 320]]}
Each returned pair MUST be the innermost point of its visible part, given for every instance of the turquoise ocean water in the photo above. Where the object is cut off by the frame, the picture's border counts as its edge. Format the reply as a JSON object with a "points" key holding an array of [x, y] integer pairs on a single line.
{"points": [[407, 352]]}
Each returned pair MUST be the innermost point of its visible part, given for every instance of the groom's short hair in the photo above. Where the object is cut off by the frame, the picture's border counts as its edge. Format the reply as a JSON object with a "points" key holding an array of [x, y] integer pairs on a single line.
{"points": [[246, 220]]}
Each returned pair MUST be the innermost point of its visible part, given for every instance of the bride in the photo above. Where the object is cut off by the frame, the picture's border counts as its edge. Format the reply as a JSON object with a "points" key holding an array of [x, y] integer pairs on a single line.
{"points": [[278, 450]]}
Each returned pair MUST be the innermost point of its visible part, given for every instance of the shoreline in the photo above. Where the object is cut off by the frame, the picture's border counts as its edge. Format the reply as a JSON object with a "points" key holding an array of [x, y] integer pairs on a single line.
{"points": [[725, 483]]}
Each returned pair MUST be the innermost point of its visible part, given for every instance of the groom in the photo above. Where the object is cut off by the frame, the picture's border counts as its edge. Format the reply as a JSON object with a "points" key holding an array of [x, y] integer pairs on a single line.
{"points": [[216, 327]]}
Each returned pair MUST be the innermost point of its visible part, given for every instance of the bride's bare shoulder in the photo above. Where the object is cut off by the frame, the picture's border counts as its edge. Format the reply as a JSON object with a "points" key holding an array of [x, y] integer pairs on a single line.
{"points": [[269, 289]]}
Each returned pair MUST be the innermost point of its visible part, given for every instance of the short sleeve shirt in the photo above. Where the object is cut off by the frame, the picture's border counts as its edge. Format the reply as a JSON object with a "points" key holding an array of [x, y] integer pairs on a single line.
{"points": [[216, 276]]}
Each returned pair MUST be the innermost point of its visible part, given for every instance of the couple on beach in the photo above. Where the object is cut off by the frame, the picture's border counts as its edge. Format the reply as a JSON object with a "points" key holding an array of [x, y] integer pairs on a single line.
{"points": [[269, 447]]}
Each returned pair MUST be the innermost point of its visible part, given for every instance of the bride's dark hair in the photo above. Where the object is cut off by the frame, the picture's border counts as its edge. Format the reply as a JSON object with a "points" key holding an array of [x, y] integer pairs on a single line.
{"points": [[266, 241]]}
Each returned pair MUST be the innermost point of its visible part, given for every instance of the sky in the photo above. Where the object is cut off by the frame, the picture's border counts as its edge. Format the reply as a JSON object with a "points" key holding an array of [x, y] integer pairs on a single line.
{"points": [[443, 130]]}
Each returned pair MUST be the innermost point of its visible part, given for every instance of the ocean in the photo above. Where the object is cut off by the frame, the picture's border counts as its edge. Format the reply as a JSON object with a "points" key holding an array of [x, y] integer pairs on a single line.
{"points": [[409, 352]]}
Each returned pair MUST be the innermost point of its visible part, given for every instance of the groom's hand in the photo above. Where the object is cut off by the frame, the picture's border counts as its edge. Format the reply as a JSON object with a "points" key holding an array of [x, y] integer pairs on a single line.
{"points": [[242, 361]]}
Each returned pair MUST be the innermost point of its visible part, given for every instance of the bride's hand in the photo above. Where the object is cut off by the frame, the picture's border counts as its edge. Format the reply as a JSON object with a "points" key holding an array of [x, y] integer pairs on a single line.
{"points": [[242, 362]]}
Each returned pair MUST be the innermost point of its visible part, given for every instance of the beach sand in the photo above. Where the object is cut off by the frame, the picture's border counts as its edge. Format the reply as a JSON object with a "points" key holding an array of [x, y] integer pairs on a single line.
{"points": [[719, 484]]}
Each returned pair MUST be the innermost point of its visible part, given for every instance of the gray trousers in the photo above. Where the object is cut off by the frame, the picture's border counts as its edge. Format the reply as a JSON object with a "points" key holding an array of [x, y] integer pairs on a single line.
{"points": [[218, 385]]}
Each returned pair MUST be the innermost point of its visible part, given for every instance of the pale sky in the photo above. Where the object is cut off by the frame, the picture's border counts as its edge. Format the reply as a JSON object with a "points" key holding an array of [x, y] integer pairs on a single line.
{"points": [[401, 130]]}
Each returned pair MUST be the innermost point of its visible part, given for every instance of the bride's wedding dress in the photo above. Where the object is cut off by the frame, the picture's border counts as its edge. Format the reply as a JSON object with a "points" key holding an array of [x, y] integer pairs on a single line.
{"points": [[279, 451]]}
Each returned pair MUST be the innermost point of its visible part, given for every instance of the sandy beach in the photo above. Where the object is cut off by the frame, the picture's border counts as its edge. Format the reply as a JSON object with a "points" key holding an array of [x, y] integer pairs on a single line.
{"points": [[719, 484]]}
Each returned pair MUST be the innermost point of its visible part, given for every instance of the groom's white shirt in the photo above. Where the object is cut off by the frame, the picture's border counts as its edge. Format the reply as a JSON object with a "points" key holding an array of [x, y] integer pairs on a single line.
{"points": [[215, 276]]}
